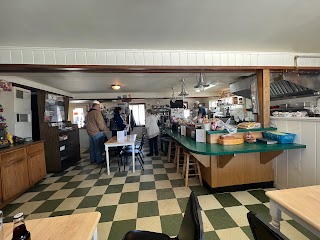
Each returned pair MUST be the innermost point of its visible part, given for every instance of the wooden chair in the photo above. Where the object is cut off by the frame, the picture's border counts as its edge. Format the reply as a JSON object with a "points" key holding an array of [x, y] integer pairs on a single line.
{"points": [[189, 160]]}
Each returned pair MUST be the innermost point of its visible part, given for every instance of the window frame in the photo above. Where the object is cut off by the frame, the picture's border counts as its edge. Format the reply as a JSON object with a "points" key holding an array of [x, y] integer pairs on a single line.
{"points": [[131, 104]]}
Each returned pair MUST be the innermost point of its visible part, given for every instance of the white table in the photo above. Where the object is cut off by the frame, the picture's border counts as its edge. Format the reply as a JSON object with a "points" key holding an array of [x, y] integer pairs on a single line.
{"points": [[128, 141], [301, 204], [69, 227]]}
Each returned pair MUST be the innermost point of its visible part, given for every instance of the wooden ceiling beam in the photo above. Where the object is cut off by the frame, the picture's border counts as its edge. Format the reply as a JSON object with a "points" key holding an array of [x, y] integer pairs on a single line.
{"points": [[143, 69]]}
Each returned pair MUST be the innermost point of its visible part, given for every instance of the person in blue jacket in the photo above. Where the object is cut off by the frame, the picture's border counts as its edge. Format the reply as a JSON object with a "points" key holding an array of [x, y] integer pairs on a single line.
{"points": [[118, 120]]}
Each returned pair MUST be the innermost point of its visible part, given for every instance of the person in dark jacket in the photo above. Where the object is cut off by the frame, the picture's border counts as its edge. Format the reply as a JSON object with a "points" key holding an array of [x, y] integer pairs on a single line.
{"points": [[118, 120]]}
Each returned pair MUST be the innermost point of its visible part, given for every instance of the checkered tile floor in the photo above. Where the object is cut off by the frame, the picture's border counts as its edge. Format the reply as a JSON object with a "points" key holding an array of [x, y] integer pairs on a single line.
{"points": [[153, 200]]}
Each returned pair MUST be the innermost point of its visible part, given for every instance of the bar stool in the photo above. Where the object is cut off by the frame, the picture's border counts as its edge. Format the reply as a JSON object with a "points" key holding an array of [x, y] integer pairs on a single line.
{"points": [[171, 149], [190, 161], [177, 156]]}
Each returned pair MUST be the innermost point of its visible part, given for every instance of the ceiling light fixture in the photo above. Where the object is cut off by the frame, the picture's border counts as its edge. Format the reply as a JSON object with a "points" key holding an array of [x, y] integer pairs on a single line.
{"points": [[115, 87], [210, 86], [184, 91], [173, 98], [202, 82]]}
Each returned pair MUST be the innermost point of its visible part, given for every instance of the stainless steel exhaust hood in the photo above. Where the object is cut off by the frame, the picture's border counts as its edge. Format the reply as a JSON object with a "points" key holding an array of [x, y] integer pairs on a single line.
{"points": [[282, 86]]}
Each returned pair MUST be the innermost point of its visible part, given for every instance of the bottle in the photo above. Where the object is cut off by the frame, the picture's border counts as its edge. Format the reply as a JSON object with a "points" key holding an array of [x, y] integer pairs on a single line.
{"points": [[20, 231], [1, 226]]}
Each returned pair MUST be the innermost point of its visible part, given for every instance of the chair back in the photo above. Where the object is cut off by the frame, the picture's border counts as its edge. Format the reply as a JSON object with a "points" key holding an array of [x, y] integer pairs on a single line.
{"points": [[191, 227], [262, 230], [142, 142]]}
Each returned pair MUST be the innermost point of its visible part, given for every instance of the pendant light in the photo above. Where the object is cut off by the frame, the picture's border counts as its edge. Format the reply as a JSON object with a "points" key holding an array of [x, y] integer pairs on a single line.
{"points": [[173, 98], [202, 82], [184, 91]]}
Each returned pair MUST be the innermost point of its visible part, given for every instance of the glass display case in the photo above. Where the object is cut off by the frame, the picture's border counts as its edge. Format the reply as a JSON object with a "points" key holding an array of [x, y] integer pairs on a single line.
{"points": [[54, 108]]}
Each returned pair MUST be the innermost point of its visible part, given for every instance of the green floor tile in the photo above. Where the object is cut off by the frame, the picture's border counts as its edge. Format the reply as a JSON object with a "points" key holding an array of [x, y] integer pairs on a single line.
{"points": [[65, 179], [38, 187], [132, 179], [165, 194], [200, 190], [103, 182], [177, 183], [61, 213], [121, 174], [107, 213], [258, 209], [220, 219], [159, 177], [147, 186], [171, 224], [9, 208], [146, 171], [211, 236], [303, 230], [8, 219], [158, 166], [119, 229], [260, 195], [71, 185], [59, 174], [92, 176], [183, 203], [90, 201], [129, 197], [227, 200], [248, 232], [147, 162], [78, 168], [79, 192], [148, 209], [171, 170], [156, 157], [42, 196], [114, 188], [48, 206], [87, 171]]}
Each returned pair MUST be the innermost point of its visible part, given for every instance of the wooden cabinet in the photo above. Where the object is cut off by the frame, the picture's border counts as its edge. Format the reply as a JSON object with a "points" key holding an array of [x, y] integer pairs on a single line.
{"points": [[14, 174], [20, 168], [36, 163]]}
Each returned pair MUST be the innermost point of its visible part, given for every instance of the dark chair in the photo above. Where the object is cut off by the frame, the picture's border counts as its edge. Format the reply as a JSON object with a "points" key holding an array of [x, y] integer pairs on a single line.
{"points": [[262, 230], [191, 227], [127, 152]]}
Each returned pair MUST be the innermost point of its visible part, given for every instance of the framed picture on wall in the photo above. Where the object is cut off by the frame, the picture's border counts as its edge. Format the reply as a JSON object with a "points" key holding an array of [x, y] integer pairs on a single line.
{"points": [[185, 105]]}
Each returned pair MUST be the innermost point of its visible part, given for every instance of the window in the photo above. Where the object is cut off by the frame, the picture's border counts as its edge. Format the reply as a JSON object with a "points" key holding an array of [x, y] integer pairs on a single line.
{"points": [[78, 117], [139, 114]]}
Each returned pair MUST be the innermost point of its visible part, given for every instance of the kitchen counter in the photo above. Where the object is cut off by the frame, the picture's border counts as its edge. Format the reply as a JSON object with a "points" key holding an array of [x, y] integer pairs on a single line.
{"points": [[16, 146], [215, 149], [244, 130], [306, 119], [234, 167]]}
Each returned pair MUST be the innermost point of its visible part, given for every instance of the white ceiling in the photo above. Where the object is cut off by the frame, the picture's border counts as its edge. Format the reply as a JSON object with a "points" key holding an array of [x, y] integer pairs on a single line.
{"points": [[246, 25], [81, 82]]}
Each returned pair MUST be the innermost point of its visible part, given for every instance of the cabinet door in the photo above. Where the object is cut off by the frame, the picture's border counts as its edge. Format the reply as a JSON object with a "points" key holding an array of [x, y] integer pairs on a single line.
{"points": [[14, 177], [36, 167]]}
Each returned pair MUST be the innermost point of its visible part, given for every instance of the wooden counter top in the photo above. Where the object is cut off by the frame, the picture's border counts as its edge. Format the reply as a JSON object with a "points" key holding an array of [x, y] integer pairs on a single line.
{"points": [[76, 226], [217, 149], [13, 147]]}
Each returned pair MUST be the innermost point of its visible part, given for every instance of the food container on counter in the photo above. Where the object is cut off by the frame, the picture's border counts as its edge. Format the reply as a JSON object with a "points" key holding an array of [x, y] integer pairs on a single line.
{"points": [[280, 137]]}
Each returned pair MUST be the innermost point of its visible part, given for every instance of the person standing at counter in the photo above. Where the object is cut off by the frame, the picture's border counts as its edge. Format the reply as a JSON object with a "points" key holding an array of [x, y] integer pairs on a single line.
{"points": [[119, 125], [96, 129], [202, 111], [152, 132]]}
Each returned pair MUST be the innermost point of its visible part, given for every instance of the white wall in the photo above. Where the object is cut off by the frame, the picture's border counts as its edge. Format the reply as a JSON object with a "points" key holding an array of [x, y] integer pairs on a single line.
{"points": [[298, 167]]}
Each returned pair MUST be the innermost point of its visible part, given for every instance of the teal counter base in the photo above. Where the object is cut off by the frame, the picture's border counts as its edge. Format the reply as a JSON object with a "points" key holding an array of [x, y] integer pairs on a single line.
{"points": [[236, 188]]}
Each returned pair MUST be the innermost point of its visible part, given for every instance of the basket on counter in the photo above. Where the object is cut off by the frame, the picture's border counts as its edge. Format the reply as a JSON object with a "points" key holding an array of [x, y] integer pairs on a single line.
{"points": [[280, 137]]}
